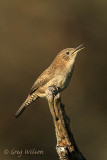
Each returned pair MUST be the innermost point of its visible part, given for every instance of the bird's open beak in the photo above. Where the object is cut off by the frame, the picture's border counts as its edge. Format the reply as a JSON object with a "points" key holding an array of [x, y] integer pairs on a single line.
{"points": [[79, 48]]}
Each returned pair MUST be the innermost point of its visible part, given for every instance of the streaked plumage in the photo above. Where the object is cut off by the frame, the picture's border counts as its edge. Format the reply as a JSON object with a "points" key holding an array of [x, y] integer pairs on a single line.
{"points": [[58, 74]]}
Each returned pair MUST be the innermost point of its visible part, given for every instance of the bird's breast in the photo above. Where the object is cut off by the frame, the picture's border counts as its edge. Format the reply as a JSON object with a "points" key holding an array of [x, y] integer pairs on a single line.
{"points": [[62, 80]]}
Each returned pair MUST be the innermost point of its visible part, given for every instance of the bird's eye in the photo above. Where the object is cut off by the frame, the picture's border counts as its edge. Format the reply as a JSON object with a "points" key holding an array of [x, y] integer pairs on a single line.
{"points": [[67, 53]]}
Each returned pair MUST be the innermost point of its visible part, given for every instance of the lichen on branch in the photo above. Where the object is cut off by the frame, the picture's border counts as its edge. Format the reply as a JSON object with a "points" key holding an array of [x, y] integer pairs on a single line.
{"points": [[66, 146]]}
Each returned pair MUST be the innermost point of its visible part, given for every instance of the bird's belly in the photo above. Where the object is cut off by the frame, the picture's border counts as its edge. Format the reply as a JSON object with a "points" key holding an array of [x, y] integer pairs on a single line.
{"points": [[61, 82]]}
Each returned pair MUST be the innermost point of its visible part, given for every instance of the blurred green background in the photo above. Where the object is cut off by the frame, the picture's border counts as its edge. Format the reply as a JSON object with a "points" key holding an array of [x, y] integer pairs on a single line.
{"points": [[31, 35]]}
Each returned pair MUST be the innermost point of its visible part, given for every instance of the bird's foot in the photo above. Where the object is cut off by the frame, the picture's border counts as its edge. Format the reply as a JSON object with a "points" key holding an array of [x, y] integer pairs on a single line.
{"points": [[51, 92], [53, 89]]}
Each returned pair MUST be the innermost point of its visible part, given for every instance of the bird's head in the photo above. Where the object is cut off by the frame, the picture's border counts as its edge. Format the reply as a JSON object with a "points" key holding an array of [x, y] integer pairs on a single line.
{"points": [[69, 54], [66, 57]]}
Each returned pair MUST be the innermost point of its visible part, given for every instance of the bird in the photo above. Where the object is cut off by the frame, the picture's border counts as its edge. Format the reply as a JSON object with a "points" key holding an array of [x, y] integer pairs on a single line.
{"points": [[58, 74]]}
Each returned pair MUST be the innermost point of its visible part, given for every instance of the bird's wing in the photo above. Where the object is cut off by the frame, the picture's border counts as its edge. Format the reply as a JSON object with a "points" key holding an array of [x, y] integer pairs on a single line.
{"points": [[42, 80], [37, 84]]}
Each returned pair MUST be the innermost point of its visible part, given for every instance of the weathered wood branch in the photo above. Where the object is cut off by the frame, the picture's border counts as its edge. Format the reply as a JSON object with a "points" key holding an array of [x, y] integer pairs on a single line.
{"points": [[66, 146]]}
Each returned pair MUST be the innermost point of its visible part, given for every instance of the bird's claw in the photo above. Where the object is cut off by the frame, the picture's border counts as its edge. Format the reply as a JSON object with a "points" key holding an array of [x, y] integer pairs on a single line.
{"points": [[54, 90], [51, 92]]}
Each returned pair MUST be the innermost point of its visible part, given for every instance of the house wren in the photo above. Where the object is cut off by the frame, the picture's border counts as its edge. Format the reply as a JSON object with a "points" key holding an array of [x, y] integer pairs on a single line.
{"points": [[57, 74]]}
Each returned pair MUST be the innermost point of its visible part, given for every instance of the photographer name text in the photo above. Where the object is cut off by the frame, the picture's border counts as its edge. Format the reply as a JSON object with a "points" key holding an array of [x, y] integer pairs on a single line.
{"points": [[20, 152]]}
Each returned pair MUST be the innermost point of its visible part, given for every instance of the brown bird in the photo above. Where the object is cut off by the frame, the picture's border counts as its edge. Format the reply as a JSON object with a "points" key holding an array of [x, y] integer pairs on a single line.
{"points": [[57, 74]]}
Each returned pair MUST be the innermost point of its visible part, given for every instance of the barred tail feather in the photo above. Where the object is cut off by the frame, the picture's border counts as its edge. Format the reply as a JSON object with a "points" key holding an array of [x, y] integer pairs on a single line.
{"points": [[27, 102]]}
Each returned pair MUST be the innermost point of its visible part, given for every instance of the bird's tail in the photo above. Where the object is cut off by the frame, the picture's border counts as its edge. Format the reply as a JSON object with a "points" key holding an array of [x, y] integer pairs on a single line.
{"points": [[27, 102]]}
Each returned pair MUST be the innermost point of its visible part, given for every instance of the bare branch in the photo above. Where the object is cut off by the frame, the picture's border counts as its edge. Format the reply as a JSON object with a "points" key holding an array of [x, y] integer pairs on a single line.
{"points": [[66, 146]]}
